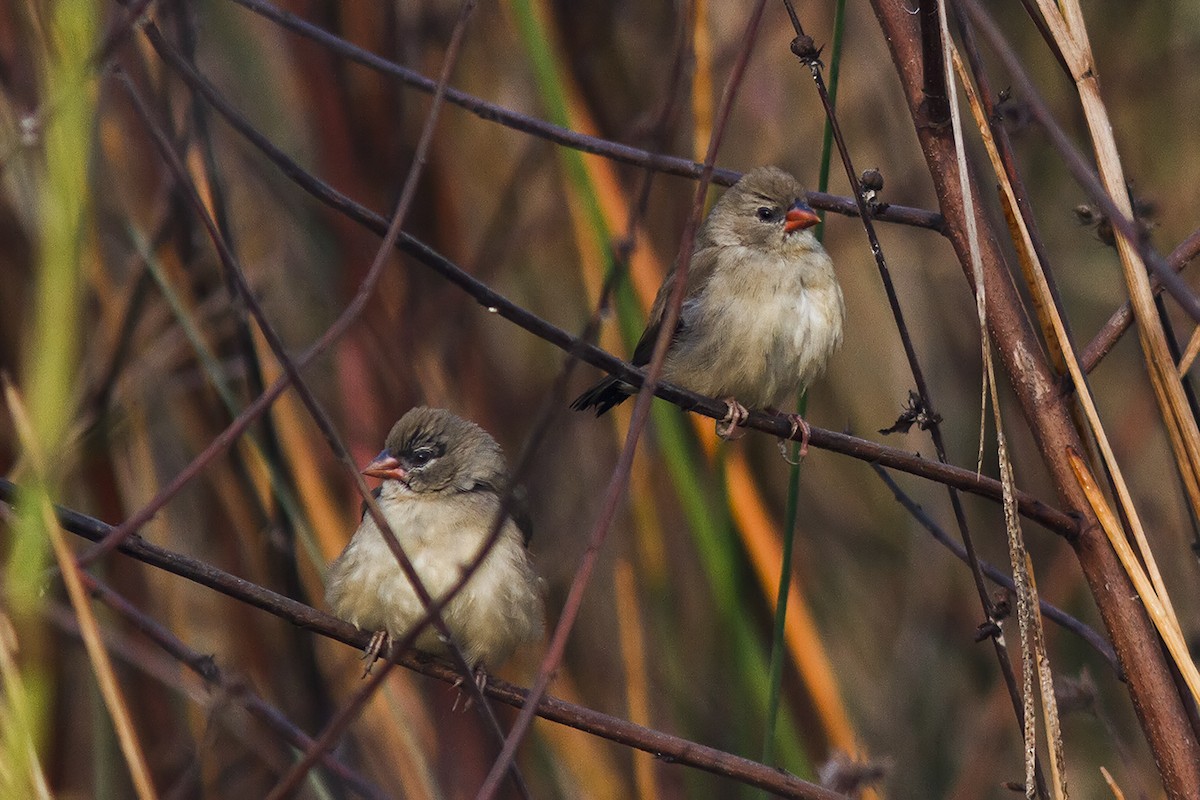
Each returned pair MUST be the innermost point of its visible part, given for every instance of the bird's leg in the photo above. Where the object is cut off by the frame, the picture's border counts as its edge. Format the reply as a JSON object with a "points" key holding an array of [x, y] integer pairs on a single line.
{"points": [[798, 424], [481, 679], [735, 418], [375, 648]]}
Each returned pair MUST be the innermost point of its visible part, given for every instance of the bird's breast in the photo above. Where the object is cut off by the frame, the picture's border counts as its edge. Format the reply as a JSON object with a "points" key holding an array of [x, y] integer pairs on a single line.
{"points": [[761, 331]]}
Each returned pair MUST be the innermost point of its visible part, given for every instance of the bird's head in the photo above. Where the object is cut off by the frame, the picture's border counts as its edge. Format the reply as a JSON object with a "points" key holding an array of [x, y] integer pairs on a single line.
{"points": [[765, 209], [432, 450]]}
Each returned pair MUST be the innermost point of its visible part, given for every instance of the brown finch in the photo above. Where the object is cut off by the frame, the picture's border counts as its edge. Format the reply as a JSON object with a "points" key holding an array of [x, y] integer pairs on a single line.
{"points": [[762, 310], [442, 482]]}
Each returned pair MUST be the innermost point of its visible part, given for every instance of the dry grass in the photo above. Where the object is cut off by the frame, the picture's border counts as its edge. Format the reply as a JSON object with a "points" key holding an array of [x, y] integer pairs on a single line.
{"points": [[675, 631]]}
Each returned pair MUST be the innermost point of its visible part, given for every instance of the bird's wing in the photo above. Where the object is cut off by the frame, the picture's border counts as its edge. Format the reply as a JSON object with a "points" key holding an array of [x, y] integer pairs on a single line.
{"points": [[703, 263], [518, 506]]}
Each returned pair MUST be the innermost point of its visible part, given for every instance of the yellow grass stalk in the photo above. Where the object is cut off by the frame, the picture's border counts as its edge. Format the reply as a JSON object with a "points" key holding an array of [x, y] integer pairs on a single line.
{"points": [[1189, 355], [89, 630], [633, 655], [1040, 289], [1065, 22], [1034, 657], [1165, 622], [21, 772], [1112, 784]]}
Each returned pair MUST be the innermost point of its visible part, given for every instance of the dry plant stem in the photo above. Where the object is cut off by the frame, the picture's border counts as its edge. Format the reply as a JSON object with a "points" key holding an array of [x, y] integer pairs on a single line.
{"points": [[292, 780], [997, 576], [910, 351], [641, 412], [1066, 22], [206, 668], [777, 426], [1003, 145], [1112, 330], [621, 153], [1154, 695], [1035, 662], [934, 90], [73, 578], [662, 745]]}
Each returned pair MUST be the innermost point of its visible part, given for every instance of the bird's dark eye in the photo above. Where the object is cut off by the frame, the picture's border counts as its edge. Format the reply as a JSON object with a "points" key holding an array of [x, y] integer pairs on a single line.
{"points": [[422, 456], [765, 214]]}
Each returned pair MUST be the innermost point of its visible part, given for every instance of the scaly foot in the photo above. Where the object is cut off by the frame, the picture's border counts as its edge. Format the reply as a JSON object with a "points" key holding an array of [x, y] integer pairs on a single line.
{"points": [[734, 419], [798, 424], [375, 648]]}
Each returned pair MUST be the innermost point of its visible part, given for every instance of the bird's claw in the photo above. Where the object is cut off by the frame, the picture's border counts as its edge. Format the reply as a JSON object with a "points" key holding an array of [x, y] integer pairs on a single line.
{"points": [[734, 419], [481, 680], [798, 424], [375, 648]]}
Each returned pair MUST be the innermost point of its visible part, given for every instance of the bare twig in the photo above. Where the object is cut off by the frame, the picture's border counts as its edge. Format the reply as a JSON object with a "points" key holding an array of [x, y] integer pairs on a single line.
{"points": [[205, 666], [641, 411], [669, 165], [1052, 612], [1116, 326], [485, 296], [662, 745]]}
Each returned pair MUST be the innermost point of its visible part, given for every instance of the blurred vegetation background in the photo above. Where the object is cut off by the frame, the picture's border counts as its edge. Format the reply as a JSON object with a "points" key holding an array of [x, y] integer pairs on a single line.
{"points": [[118, 329]]}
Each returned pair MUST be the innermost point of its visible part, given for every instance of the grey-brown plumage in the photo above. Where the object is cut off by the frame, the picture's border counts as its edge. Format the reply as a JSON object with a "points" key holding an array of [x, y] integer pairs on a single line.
{"points": [[442, 481], [762, 309]]}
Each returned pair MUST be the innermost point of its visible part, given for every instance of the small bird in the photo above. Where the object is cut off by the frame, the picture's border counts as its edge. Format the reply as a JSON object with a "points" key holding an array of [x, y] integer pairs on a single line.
{"points": [[762, 309], [442, 483]]}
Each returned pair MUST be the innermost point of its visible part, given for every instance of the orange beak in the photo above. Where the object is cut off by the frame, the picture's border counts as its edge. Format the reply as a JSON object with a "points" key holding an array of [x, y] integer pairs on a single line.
{"points": [[386, 467], [799, 217]]}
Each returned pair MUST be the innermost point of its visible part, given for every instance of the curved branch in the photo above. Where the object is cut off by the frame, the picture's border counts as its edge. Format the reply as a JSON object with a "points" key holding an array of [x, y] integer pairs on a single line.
{"points": [[661, 745], [967, 480], [670, 165]]}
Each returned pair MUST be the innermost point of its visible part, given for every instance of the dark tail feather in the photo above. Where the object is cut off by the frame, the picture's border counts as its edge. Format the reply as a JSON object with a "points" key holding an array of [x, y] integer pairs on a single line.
{"points": [[604, 395]]}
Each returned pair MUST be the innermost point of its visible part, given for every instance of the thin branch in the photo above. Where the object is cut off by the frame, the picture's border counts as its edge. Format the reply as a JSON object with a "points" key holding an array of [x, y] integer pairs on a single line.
{"points": [[661, 745], [205, 666], [966, 480], [624, 154], [641, 413], [1116, 326], [1052, 612]]}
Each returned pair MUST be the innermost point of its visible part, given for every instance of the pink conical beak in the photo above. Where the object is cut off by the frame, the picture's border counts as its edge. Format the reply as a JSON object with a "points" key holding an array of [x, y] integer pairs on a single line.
{"points": [[386, 467], [799, 217]]}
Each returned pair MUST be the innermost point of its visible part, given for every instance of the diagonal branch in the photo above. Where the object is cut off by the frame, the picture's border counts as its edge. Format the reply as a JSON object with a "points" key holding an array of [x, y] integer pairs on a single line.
{"points": [[491, 112], [1155, 697], [967, 480], [662, 745]]}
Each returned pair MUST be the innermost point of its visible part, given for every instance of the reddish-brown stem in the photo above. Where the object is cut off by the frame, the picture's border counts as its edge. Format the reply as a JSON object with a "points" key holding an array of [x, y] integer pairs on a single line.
{"points": [[1154, 695]]}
